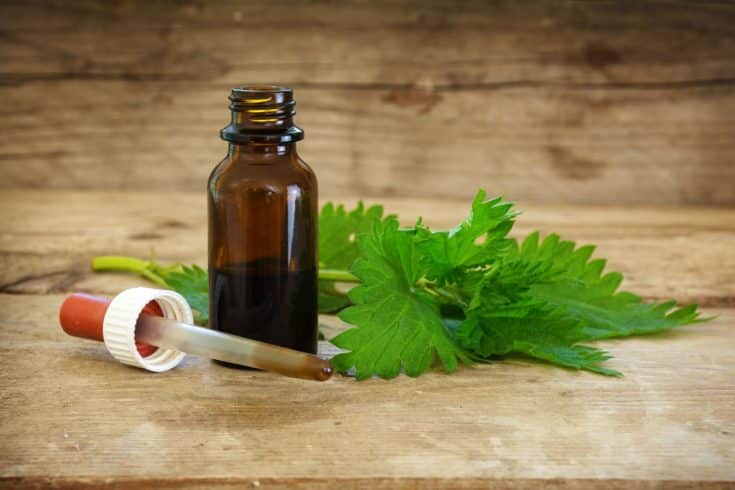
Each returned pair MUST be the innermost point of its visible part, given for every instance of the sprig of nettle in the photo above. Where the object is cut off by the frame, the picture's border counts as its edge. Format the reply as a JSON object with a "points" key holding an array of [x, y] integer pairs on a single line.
{"points": [[469, 295]]}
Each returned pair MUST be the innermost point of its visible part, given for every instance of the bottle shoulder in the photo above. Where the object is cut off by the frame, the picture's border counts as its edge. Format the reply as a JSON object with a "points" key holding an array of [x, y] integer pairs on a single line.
{"points": [[219, 169], [242, 174], [307, 170]]}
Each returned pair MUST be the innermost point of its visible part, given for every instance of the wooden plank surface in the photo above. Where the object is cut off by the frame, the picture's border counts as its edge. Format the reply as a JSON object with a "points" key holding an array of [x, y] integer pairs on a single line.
{"points": [[71, 417], [585, 102], [71, 412]]}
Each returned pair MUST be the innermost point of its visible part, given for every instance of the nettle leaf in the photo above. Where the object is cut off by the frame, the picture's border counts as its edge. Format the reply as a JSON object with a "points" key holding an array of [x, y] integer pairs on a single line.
{"points": [[331, 300], [191, 282], [507, 283], [338, 231], [570, 356], [591, 296], [503, 318], [543, 297], [541, 331], [398, 325], [475, 242]]}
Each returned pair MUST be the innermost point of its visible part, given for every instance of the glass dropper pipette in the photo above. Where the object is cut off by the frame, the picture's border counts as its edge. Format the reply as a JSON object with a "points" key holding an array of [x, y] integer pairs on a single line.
{"points": [[136, 331], [170, 334]]}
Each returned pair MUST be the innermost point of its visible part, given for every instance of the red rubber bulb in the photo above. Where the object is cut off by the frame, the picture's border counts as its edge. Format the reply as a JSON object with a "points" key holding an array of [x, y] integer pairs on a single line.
{"points": [[82, 315]]}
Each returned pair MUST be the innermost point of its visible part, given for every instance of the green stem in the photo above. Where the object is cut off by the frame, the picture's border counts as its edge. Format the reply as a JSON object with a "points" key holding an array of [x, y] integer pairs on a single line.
{"points": [[337, 275], [147, 270], [452, 296], [449, 294], [127, 264]]}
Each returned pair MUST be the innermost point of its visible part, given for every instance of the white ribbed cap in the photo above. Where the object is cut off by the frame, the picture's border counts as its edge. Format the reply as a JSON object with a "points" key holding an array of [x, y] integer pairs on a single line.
{"points": [[118, 328]]}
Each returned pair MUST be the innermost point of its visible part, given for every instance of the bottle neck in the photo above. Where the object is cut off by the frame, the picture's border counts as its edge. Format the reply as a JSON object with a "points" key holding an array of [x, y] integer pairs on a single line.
{"points": [[261, 151], [262, 115]]}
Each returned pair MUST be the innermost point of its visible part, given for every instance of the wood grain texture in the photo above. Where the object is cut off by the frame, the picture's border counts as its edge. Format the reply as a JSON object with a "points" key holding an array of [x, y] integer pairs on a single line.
{"points": [[49, 238], [71, 413], [585, 102], [356, 483], [108, 129], [70, 417]]}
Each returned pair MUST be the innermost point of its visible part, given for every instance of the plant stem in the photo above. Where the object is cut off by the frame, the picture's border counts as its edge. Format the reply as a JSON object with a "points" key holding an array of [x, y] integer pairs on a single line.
{"points": [[337, 275], [452, 296], [127, 264], [147, 269], [449, 294]]}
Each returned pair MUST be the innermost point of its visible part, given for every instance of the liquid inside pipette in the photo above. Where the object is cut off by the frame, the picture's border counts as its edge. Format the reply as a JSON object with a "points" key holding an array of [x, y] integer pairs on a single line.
{"points": [[170, 334]]}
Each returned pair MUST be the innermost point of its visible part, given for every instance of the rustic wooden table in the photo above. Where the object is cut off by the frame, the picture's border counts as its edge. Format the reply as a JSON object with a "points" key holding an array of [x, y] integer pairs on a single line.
{"points": [[71, 417]]}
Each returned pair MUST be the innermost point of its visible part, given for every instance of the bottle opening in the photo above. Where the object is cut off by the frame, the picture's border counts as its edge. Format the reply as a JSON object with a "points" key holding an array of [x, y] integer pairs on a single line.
{"points": [[260, 98], [262, 113]]}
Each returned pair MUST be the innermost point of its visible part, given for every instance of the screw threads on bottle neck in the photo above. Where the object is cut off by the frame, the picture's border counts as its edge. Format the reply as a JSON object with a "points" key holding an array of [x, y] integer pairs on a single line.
{"points": [[262, 113]]}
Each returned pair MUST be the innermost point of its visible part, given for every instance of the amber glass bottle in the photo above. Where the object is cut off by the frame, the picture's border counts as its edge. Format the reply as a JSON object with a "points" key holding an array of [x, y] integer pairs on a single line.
{"points": [[263, 225]]}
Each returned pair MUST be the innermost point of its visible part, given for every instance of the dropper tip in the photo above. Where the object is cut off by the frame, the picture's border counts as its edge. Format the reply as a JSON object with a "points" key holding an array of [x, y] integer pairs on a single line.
{"points": [[326, 372]]}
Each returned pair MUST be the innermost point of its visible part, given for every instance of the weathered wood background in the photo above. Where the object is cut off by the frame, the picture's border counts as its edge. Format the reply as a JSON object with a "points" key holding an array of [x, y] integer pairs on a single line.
{"points": [[606, 120], [582, 102]]}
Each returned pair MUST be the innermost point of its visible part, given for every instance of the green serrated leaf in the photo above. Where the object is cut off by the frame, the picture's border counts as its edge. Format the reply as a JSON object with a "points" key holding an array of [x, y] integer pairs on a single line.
{"points": [[396, 328], [476, 241], [331, 300], [192, 283], [592, 297], [542, 332], [338, 232]]}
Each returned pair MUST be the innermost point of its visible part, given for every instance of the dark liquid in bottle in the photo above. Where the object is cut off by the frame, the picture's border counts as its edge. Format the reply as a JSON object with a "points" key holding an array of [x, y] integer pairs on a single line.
{"points": [[262, 301]]}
